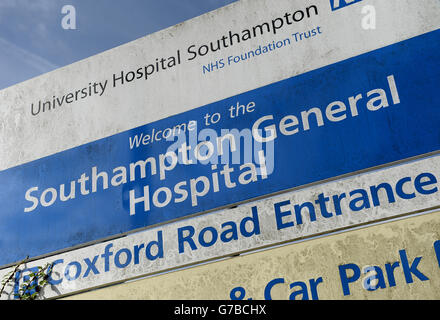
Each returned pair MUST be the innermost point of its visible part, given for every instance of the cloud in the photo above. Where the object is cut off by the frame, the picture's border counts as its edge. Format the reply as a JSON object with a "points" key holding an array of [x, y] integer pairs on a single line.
{"points": [[26, 10], [24, 39], [43, 6], [18, 64], [33, 60], [33, 42]]}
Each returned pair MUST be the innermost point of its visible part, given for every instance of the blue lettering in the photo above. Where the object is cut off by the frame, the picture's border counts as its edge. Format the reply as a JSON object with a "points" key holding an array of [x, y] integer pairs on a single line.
{"points": [[233, 231], [182, 239], [345, 279], [399, 189], [302, 290], [253, 221], [437, 251], [91, 266], [280, 214], [75, 264], [322, 204], [338, 4], [374, 193], [213, 65], [25, 279], [106, 255], [137, 250], [214, 236], [50, 279], [269, 287], [409, 270], [241, 293], [419, 184], [364, 198], [158, 244], [127, 261], [298, 209], [376, 280]]}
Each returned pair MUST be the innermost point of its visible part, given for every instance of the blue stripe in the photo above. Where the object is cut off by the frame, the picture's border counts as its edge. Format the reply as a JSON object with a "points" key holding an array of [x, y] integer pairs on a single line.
{"points": [[369, 139]]}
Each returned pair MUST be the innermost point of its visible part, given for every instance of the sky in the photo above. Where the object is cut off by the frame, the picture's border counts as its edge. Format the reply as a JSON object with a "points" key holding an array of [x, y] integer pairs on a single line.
{"points": [[33, 41]]}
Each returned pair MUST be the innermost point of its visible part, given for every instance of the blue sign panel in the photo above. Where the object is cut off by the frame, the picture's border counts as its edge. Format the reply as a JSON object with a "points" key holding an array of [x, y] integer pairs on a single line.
{"points": [[366, 111], [338, 4]]}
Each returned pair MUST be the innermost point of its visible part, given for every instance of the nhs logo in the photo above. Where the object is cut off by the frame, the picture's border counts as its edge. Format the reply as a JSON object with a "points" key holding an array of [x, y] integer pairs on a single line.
{"points": [[338, 4]]}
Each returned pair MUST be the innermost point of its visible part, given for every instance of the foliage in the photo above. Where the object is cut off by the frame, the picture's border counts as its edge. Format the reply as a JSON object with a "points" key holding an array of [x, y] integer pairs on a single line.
{"points": [[33, 283]]}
